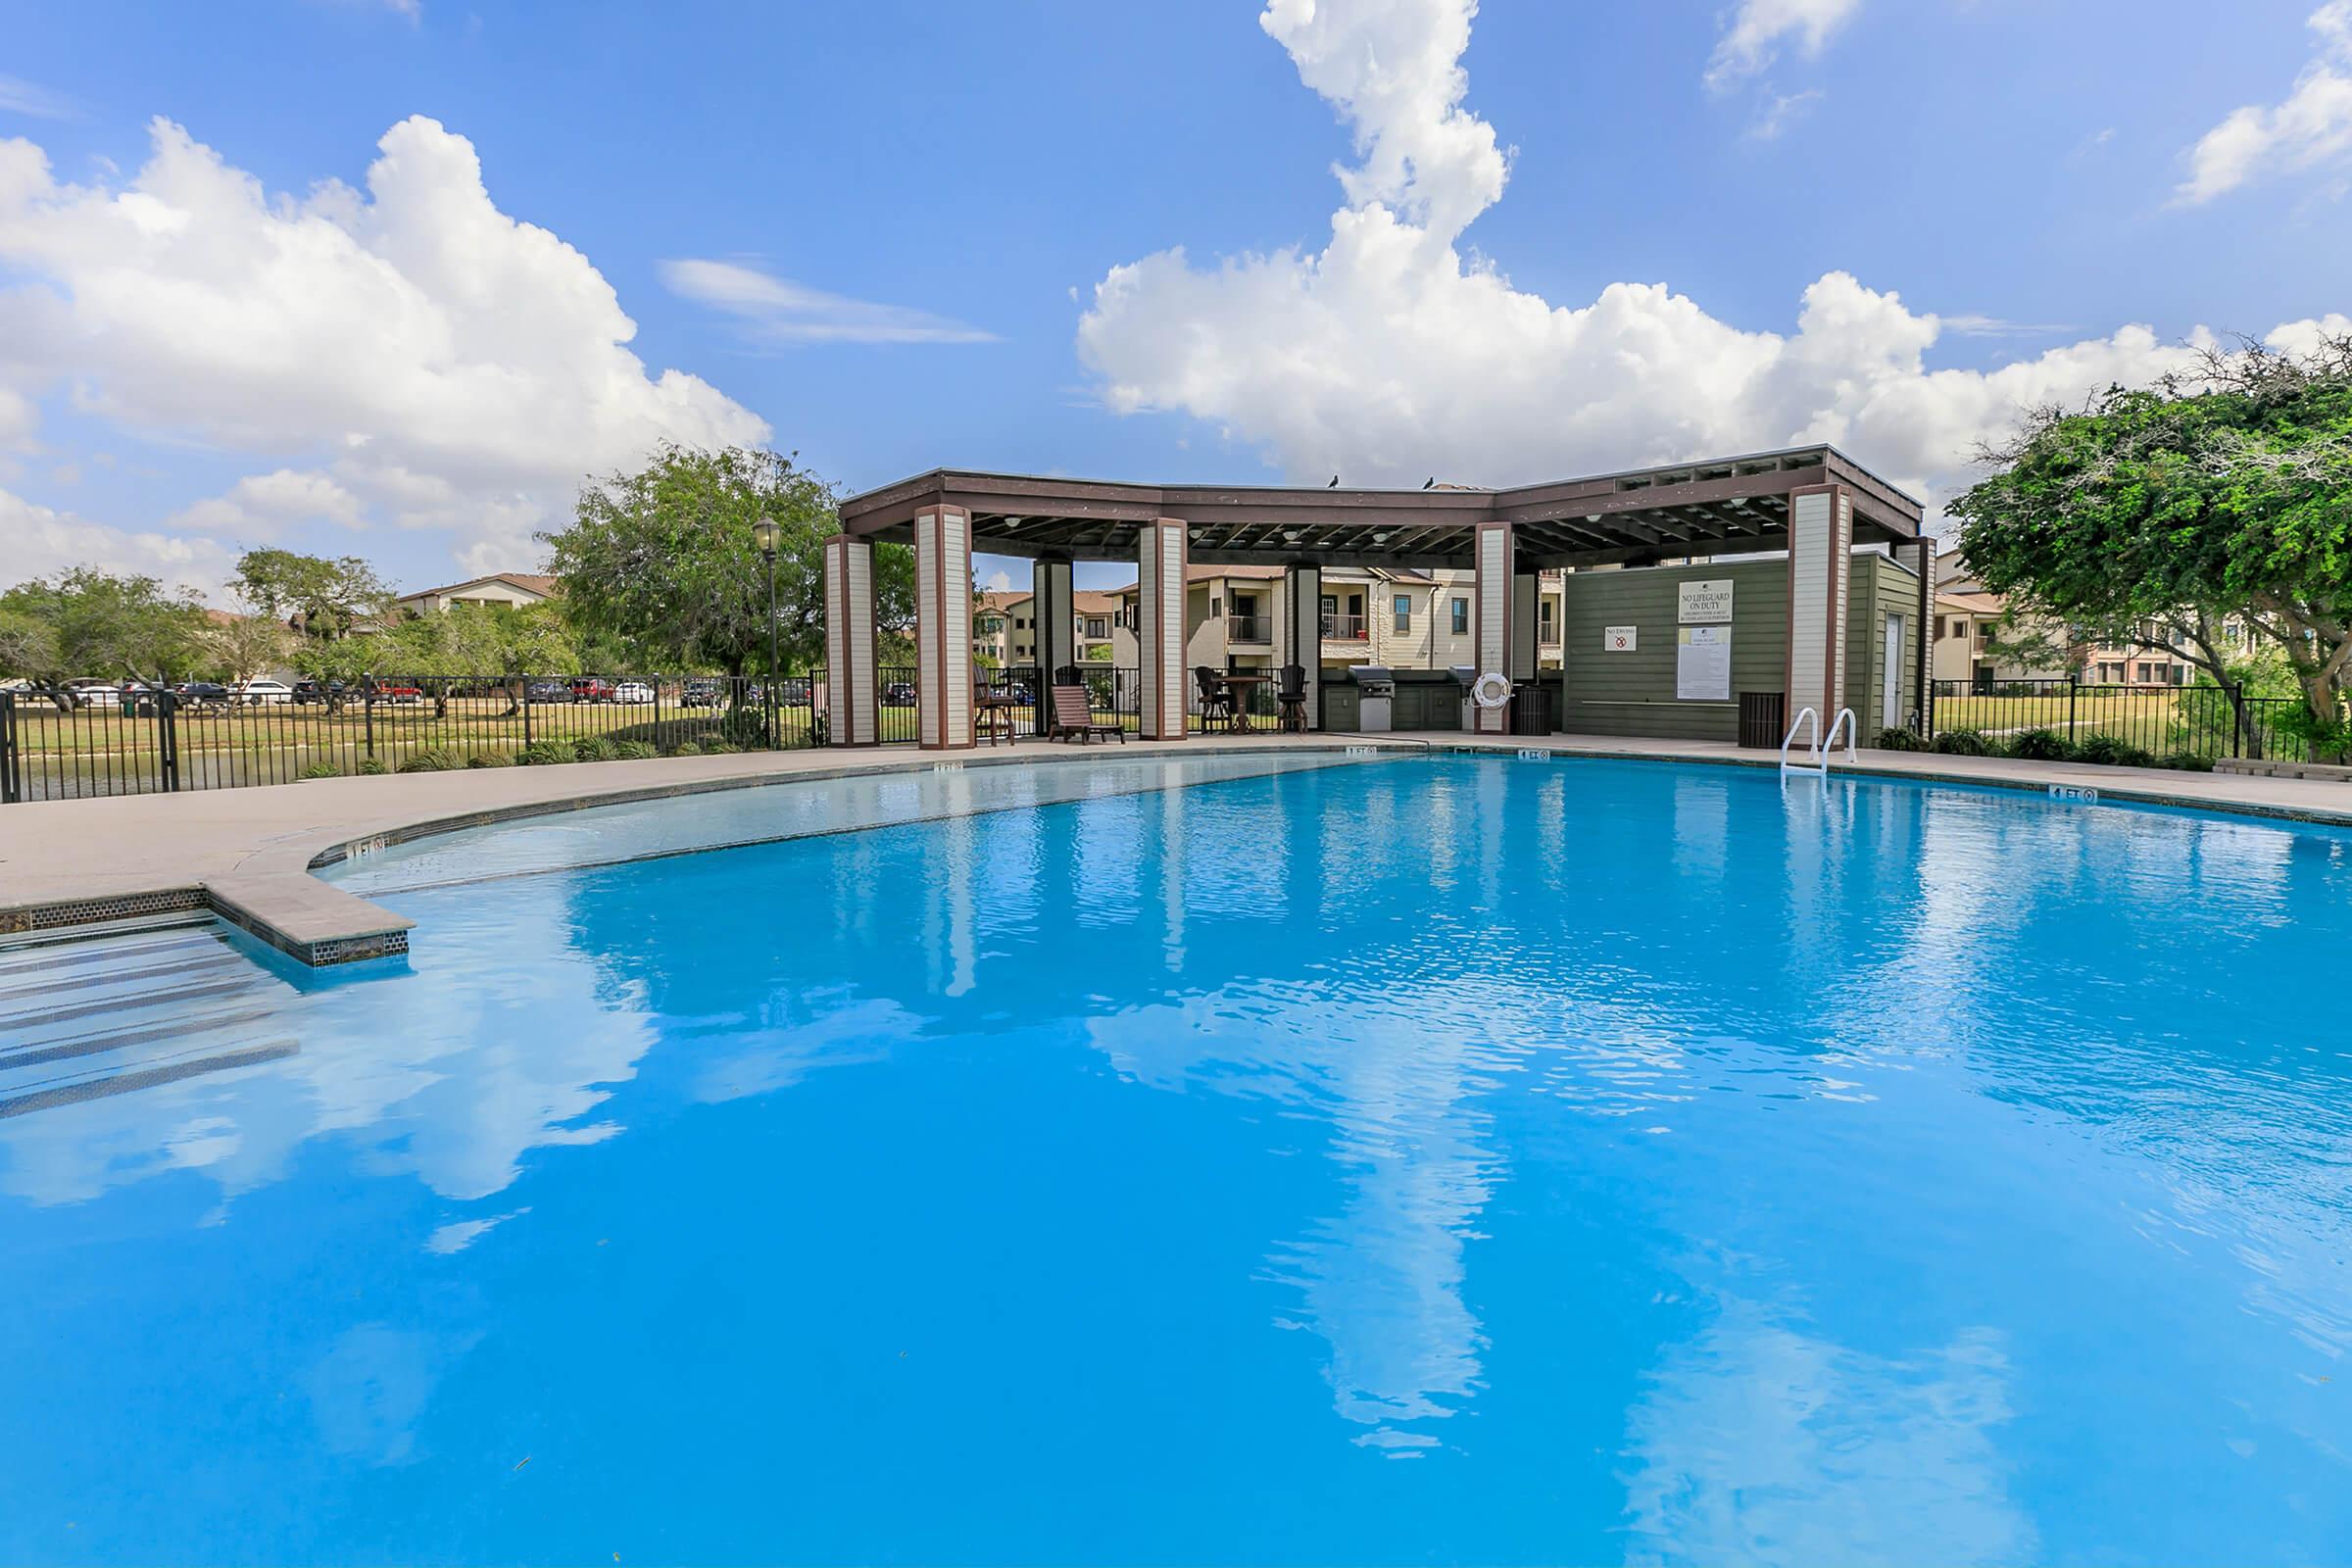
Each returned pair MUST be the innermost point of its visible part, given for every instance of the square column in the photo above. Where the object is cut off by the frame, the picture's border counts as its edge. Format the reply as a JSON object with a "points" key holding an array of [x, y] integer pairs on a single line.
{"points": [[1054, 617], [1490, 641], [1302, 633], [850, 642], [943, 627], [1524, 586], [1821, 537], [1159, 626]]}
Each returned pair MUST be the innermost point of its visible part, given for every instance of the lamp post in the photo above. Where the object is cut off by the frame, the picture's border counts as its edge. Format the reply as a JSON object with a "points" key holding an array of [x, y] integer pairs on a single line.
{"points": [[766, 534]]}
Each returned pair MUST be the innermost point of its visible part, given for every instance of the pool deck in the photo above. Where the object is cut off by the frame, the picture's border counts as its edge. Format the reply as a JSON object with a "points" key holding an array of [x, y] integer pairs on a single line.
{"points": [[246, 855]]}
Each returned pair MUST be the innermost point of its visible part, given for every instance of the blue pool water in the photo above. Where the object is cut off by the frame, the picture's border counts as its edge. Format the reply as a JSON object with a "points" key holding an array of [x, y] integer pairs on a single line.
{"points": [[1420, 1160]]}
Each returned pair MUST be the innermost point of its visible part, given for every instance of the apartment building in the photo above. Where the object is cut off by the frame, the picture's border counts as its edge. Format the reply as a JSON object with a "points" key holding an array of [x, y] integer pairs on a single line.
{"points": [[1004, 628]]}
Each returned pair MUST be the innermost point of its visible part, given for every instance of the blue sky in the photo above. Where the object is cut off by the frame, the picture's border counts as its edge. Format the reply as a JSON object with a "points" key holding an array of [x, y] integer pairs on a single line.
{"points": [[967, 176]]}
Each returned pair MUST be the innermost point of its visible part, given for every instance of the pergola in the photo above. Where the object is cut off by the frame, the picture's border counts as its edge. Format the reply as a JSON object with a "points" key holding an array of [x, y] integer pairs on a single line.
{"points": [[1813, 502]]}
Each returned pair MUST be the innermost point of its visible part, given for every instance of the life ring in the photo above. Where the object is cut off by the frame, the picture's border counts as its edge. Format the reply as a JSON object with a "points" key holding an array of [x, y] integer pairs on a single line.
{"points": [[1494, 694]]}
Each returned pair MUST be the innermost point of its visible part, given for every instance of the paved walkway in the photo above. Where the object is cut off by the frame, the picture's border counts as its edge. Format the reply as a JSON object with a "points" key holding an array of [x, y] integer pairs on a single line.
{"points": [[246, 854]]}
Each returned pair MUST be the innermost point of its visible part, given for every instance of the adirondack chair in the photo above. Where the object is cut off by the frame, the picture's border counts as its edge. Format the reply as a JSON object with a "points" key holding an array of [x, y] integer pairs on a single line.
{"points": [[1074, 720]]}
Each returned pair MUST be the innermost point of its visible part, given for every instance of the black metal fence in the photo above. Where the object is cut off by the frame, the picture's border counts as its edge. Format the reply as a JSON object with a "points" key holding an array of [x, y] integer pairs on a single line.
{"points": [[2205, 722], [137, 740]]}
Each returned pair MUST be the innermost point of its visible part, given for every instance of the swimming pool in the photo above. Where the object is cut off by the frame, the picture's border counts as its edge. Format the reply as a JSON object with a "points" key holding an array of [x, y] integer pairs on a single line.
{"points": [[1411, 1159]]}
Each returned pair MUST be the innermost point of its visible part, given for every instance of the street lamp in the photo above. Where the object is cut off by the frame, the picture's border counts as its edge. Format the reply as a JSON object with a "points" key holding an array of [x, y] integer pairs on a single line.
{"points": [[766, 534]]}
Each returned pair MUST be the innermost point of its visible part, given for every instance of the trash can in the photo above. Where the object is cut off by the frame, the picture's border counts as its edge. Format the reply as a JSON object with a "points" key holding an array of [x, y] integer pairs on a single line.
{"points": [[1376, 700], [1531, 709], [1763, 719], [1467, 676]]}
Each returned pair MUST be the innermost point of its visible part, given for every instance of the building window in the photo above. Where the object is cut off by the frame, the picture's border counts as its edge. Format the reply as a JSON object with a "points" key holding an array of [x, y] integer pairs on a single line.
{"points": [[1096, 626], [1403, 608], [1216, 607], [1461, 617]]}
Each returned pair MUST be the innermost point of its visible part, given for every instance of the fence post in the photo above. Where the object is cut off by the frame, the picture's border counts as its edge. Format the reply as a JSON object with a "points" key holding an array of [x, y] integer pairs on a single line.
{"points": [[2074, 689], [526, 709], [167, 741], [2237, 720], [9, 790], [368, 710]]}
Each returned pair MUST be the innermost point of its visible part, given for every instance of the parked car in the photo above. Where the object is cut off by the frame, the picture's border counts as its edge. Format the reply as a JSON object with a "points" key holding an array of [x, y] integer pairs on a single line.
{"points": [[201, 693], [312, 691], [91, 692], [550, 691], [792, 691], [898, 694], [262, 692], [591, 689], [633, 691], [703, 691], [399, 693]]}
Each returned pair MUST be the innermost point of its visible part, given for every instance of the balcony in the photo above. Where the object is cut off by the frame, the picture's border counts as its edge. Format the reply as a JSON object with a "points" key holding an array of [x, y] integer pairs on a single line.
{"points": [[1249, 629], [1344, 628]]}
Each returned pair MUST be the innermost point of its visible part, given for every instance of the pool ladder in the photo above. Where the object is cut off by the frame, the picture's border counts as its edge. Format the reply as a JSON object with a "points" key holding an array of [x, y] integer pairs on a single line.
{"points": [[1817, 754]]}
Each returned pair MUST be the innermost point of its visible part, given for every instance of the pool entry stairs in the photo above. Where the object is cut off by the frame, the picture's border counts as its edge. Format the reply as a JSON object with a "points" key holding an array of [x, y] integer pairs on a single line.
{"points": [[85, 1017]]}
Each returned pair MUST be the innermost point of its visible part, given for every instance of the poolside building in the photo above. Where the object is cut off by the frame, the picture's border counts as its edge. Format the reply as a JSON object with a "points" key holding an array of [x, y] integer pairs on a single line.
{"points": [[1782, 579]]}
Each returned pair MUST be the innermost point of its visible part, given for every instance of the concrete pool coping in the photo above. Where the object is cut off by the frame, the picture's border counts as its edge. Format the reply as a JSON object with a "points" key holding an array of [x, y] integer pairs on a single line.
{"points": [[247, 855]]}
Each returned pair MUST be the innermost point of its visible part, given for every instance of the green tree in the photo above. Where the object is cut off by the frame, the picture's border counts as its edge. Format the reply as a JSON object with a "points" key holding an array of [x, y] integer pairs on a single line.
{"points": [[328, 598], [91, 622], [663, 559], [244, 647], [481, 640], [2171, 513]]}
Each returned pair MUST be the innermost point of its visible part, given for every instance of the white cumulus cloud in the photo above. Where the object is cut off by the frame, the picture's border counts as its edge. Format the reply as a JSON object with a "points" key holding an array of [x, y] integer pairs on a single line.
{"points": [[1756, 31], [261, 504], [1389, 355], [408, 345], [38, 541], [2312, 125]]}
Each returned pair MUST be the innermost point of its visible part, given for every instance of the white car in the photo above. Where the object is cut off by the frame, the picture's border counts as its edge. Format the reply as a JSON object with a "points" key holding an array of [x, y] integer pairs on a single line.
{"points": [[91, 692], [256, 693], [632, 691]]}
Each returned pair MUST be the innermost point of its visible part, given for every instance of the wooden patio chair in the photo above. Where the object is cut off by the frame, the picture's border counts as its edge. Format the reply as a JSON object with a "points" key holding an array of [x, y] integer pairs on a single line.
{"points": [[1216, 701], [1290, 699], [1073, 719]]}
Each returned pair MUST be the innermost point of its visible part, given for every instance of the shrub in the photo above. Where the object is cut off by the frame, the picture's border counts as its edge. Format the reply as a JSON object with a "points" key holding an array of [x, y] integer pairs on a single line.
{"points": [[2041, 746], [1961, 743], [686, 749], [593, 749], [744, 726], [540, 753], [432, 760], [320, 771], [491, 759], [720, 747], [1896, 739], [635, 751], [372, 766], [2108, 751], [2186, 762]]}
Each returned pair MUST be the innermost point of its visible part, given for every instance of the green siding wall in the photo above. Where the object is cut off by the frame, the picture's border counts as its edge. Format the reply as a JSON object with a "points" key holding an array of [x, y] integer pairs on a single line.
{"points": [[1633, 694], [1880, 588]]}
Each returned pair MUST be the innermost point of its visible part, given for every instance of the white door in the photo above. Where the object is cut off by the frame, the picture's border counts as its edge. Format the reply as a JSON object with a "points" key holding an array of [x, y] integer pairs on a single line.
{"points": [[1890, 700]]}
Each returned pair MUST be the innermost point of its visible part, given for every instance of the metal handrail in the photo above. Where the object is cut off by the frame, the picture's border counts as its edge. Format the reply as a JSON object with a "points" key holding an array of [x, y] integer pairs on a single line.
{"points": [[1845, 721], [1818, 752], [1804, 715]]}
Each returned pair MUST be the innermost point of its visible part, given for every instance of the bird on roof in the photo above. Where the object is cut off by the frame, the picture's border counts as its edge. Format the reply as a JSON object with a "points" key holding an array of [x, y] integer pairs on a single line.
{"points": [[1334, 483], [1430, 483]]}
